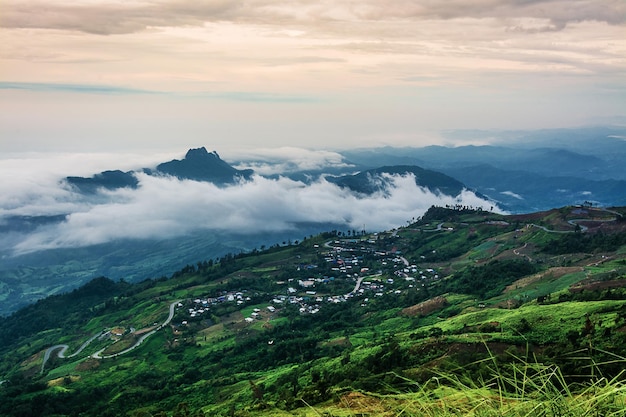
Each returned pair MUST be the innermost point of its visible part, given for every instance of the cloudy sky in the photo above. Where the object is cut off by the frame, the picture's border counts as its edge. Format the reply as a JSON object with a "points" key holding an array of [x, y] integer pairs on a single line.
{"points": [[91, 85], [163, 75]]}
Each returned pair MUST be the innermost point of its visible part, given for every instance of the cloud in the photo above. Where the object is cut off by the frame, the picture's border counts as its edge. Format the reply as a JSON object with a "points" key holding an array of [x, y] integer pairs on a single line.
{"points": [[512, 194], [242, 96], [166, 207], [31, 184], [113, 17], [73, 88], [270, 161]]}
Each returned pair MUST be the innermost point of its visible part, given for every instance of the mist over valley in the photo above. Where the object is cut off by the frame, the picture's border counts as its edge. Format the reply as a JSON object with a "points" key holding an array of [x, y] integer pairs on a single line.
{"points": [[60, 229]]}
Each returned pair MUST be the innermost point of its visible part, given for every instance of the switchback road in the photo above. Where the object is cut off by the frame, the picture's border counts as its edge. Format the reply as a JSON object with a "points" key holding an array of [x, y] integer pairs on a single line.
{"points": [[98, 355]]}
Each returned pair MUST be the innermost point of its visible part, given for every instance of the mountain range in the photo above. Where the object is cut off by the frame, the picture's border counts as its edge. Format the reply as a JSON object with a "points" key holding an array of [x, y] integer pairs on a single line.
{"points": [[149, 222], [523, 171]]}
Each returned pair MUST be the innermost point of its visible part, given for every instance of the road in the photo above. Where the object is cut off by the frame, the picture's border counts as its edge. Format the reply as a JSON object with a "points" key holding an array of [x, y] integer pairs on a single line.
{"points": [[64, 348], [98, 355], [517, 252], [356, 287], [438, 228], [571, 222]]}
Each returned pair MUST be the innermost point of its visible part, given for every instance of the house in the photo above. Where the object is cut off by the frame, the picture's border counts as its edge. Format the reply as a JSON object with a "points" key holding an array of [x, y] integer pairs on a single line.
{"points": [[306, 283]]}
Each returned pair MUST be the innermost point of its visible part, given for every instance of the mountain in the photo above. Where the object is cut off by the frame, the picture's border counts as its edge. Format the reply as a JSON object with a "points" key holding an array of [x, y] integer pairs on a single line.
{"points": [[522, 191], [535, 160], [198, 165], [373, 180], [201, 165], [452, 314], [523, 170], [109, 180]]}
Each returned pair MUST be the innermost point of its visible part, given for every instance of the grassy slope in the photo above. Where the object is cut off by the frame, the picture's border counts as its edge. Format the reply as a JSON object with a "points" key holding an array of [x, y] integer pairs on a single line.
{"points": [[204, 364]]}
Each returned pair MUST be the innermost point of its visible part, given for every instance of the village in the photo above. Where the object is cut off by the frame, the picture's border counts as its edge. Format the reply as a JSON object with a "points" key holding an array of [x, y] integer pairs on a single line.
{"points": [[348, 269]]}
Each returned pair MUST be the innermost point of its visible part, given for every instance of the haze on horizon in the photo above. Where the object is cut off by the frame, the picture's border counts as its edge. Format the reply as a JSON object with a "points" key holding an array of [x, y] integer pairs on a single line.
{"points": [[110, 76]]}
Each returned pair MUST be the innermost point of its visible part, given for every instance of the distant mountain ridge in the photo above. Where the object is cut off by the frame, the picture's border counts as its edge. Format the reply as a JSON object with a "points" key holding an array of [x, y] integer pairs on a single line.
{"points": [[198, 165], [371, 180], [523, 170]]}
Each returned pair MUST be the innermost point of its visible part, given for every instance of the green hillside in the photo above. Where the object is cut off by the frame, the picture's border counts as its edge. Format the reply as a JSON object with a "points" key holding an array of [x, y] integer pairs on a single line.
{"points": [[464, 312]]}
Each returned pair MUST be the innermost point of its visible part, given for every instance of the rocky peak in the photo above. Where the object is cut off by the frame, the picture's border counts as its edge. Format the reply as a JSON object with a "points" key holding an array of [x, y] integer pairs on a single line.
{"points": [[200, 153]]}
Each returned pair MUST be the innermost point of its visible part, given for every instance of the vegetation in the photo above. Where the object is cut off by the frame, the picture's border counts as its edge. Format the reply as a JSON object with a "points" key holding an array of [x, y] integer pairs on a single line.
{"points": [[493, 323]]}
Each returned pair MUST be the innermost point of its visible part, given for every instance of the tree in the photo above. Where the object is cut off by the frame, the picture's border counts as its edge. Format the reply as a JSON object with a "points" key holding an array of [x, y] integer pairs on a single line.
{"points": [[436, 332]]}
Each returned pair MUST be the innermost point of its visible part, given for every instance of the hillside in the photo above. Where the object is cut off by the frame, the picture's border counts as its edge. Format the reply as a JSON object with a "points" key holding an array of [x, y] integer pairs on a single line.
{"points": [[373, 180], [345, 323]]}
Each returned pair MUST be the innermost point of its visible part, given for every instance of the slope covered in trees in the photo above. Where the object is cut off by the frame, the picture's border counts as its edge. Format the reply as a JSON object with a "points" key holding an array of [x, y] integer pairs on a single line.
{"points": [[343, 323]]}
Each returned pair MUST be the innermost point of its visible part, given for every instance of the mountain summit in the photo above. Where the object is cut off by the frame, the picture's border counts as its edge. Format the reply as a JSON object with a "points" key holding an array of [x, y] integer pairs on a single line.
{"points": [[198, 165], [201, 165]]}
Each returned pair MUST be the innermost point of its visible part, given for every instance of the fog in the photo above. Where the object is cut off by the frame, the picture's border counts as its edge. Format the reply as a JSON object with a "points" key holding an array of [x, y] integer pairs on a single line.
{"points": [[287, 159], [165, 207]]}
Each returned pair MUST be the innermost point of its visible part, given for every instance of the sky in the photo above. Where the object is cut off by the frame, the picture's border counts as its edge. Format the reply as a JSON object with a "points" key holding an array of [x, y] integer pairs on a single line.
{"points": [[91, 85], [162, 76]]}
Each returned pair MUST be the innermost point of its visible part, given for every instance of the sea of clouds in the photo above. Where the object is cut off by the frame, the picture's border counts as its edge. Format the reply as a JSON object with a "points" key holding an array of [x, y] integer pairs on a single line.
{"points": [[165, 207]]}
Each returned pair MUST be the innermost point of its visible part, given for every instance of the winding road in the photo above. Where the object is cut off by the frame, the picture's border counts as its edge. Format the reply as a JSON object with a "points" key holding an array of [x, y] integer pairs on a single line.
{"points": [[437, 229], [98, 355], [64, 348]]}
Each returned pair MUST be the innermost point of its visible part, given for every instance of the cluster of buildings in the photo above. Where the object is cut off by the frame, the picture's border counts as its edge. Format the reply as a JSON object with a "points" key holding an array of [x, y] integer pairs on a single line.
{"points": [[199, 306], [356, 262]]}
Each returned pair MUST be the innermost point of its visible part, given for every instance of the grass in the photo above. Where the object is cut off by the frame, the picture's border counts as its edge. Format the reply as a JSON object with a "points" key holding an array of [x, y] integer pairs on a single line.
{"points": [[523, 389]]}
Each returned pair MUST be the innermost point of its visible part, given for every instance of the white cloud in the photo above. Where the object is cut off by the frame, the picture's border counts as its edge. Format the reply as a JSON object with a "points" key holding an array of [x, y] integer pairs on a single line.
{"points": [[512, 194], [287, 159], [167, 207]]}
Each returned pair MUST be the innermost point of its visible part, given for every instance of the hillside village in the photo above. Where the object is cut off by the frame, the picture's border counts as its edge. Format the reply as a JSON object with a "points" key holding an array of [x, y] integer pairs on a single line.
{"points": [[342, 268], [371, 266]]}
